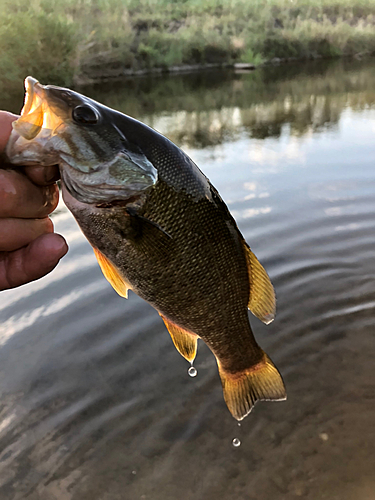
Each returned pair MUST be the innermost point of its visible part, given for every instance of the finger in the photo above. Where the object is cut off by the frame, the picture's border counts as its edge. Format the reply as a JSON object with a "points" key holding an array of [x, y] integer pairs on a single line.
{"points": [[16, 233], [20, 198], [43, 175], [6, 120], [31, 262]]}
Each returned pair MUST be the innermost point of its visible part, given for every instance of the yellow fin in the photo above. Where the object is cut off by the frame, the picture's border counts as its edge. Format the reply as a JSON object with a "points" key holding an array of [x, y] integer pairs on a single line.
{"points": [[243, 389], [112, 274], [184, 341], [262, 300]]}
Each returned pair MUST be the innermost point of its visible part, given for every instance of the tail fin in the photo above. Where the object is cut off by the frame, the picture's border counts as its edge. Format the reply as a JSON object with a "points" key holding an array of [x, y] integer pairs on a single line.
{"points": [[243, 389]]}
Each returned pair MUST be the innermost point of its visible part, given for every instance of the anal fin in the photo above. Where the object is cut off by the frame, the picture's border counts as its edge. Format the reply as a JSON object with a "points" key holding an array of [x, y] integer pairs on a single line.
{"points": [[242, 390], [262, 300], [112, 274], [184, 341]]}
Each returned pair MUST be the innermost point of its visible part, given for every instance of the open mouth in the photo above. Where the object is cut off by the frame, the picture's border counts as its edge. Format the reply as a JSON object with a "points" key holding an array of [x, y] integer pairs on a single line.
{"points": [[32, 115], [36, 113]]}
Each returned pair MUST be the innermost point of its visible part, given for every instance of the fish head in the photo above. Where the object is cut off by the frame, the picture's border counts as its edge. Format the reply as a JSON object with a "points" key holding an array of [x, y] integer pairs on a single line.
{"points": [[98, 164]]}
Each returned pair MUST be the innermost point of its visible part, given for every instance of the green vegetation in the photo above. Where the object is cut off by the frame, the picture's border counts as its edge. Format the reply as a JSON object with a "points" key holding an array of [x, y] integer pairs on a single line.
{"points": [[68, 41]]}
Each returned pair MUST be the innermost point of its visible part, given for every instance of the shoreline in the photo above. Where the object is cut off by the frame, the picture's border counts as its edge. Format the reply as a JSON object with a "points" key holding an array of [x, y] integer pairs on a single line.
{"points": [[237, 67]]}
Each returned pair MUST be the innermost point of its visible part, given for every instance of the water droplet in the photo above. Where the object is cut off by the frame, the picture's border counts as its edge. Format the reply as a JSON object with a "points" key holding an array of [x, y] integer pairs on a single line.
{"points": [[134, 472], [193, 372], [239, 424], [236, 442]]}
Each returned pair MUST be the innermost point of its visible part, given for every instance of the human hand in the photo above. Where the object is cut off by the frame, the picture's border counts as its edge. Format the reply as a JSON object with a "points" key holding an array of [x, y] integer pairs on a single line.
{"points": [[29, 248]]}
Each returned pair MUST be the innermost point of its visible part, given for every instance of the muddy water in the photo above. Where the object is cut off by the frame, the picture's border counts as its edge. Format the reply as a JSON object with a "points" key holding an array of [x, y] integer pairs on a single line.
{"points": [[96, 403]]}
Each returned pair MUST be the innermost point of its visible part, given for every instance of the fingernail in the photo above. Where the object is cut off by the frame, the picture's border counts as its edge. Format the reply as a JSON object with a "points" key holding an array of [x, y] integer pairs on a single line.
{"points": [[61, 245], [56, 245]]}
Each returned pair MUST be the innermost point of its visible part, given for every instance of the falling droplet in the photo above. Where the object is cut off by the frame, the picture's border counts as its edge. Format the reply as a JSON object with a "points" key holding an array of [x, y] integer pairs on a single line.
{"points": [[192, 371], [239, 424], [236, 442]]}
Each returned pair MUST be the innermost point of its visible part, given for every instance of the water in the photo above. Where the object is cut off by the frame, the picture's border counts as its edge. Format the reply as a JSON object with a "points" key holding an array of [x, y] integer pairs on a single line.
{"points": [[192, 371], [236, 442], [94, 397]]}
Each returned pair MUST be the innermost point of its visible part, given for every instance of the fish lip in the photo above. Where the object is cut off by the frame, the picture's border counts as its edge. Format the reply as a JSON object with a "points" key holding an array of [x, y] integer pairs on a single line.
{"points": [[29, 96], [32, 88], [30, 123]]}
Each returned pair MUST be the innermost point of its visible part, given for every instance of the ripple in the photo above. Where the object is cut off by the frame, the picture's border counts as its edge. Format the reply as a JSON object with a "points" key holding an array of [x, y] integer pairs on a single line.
{"points": [[95, 399]]}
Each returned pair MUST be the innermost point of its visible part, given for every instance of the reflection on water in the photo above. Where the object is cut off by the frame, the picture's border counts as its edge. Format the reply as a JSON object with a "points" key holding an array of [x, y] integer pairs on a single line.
{"points": [[201, 110], [96, 402]]}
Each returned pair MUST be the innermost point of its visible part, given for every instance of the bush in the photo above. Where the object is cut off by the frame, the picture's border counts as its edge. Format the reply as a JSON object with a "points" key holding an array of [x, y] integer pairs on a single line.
{"points": [[58, 41], [35, 42]]}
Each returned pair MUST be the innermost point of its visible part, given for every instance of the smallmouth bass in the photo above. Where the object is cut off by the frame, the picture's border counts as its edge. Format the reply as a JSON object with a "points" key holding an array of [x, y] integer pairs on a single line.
{"points": [[159, 228]]}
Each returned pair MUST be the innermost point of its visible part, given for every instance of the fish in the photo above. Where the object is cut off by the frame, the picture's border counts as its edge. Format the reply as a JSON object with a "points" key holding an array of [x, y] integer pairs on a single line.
{"points": [[158, 227]]}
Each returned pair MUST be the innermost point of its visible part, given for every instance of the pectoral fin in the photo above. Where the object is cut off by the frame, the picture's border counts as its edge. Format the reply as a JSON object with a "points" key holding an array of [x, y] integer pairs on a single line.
{"points": [[262, 300], [142, 224], [184, 341], [112, 274], [149, 237]]}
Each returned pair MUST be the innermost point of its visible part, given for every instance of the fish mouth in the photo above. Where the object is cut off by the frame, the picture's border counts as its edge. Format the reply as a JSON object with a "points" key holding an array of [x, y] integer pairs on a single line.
{"points": [[36, 113]]}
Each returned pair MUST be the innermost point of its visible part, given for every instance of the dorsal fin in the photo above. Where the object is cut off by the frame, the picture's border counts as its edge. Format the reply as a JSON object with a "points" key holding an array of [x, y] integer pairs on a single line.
{"points": [[184, 341], [262, 300], [112, 274]]}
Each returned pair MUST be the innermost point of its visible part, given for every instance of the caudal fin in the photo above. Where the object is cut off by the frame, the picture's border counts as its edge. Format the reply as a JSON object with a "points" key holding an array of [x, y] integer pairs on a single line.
{"points": [[243, 389]]}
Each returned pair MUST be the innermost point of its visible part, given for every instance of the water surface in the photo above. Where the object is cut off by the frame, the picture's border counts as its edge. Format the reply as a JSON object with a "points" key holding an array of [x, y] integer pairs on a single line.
{"points": [[96, 403]]}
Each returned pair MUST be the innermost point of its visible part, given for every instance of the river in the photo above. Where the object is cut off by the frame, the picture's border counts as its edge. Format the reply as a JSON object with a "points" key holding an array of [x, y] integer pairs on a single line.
{"points": [[96, 403]]}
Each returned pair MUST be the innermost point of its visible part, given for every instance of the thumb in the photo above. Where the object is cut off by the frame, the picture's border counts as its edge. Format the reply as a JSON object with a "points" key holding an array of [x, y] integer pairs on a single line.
{"points": [[31, 262]]}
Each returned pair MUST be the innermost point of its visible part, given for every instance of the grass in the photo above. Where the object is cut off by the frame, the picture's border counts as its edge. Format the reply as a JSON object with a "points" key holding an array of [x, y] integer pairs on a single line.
{"points": [[62, 42]]}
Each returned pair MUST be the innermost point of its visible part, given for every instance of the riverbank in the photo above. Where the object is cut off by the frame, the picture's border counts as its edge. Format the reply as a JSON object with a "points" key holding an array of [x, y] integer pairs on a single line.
{"points": [[71, 42], [121, 73]]}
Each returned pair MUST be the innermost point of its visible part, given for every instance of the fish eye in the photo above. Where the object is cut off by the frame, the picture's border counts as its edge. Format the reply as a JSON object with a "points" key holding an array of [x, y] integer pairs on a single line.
{"points": [[85, 114]]}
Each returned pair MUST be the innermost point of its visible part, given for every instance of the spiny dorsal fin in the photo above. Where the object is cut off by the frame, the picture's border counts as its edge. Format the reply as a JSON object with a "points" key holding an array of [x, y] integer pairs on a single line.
{"points": [[262, 300], [112, 274], [243, 389], [184, 341]]}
